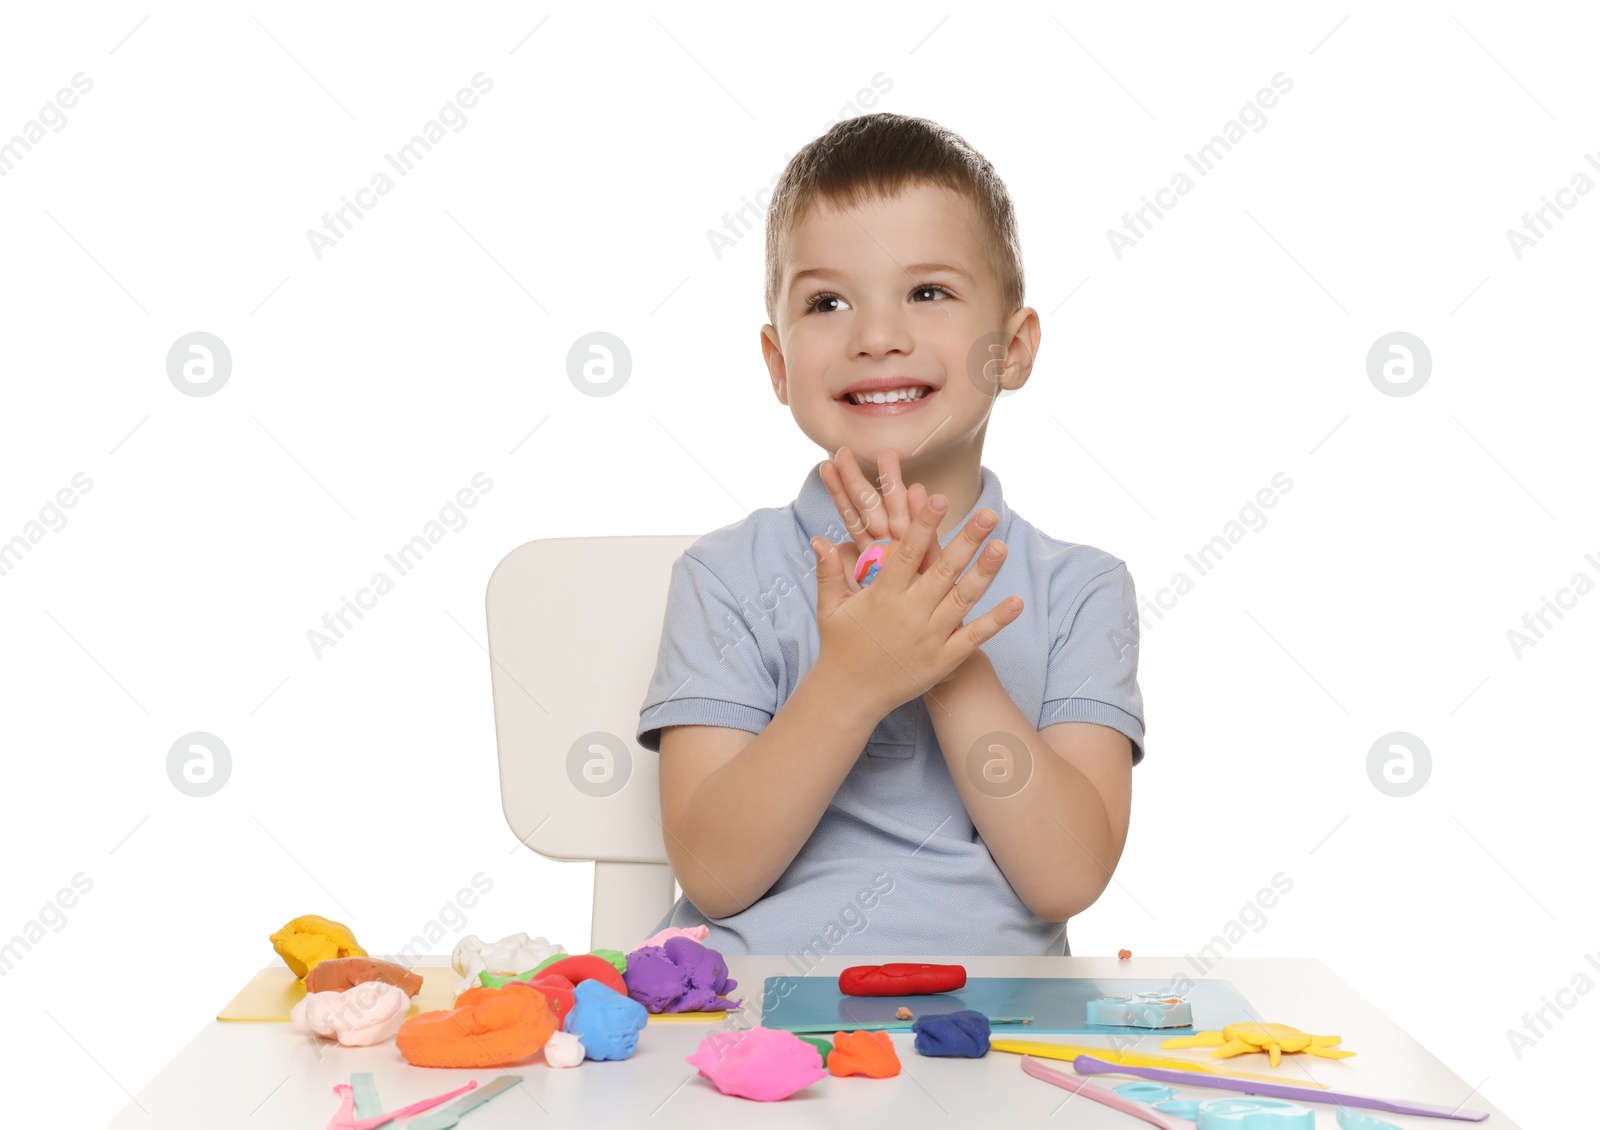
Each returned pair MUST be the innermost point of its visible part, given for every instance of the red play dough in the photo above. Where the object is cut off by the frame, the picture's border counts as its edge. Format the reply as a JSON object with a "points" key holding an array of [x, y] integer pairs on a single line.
{"points": [[586, 967], [900, 979], [558, 993]]}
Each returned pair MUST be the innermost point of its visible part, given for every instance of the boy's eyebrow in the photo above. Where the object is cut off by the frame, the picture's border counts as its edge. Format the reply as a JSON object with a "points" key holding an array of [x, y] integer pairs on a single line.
{"points": [[910, 269]]}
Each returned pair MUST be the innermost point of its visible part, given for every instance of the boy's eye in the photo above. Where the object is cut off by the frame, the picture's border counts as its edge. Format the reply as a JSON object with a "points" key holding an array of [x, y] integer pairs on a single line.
{"points": [[816, 300]]}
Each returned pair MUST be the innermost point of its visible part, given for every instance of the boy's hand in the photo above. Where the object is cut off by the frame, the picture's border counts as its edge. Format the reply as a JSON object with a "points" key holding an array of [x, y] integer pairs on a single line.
{"points": [[874, 515], [902, 636]]}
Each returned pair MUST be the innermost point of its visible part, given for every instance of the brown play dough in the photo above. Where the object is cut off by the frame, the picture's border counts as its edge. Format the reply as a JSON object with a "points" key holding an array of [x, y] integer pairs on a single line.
{"points": [[336, 974]]}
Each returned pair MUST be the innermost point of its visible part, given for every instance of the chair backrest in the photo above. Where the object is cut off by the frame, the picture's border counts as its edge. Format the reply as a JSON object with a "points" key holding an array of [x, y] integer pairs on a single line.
{"points": [[574, 629]]}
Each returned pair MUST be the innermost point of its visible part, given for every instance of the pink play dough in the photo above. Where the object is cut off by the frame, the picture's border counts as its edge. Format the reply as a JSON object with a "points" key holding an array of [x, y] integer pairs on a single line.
{"points": [[765, 1064], [693, 933]]}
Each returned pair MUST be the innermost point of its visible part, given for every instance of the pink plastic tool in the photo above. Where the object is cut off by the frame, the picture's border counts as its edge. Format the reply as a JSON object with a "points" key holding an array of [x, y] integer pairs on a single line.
{"points": [[345, 1117], [1089, 1065], [1103, 1095]]}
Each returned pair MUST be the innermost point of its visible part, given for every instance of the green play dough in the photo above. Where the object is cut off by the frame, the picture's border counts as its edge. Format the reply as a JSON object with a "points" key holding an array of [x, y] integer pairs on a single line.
{"points": [[616, 958], [820, 1044]]}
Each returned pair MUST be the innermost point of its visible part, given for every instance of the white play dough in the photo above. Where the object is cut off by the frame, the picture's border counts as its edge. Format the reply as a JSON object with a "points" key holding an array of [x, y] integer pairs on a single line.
{"points": [[512, 954], [563, 1050], [362, 1015]]}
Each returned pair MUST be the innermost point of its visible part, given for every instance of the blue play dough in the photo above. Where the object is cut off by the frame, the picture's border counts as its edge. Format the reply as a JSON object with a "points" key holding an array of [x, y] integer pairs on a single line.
{"points": [[964, 1034], [605, 1022]]}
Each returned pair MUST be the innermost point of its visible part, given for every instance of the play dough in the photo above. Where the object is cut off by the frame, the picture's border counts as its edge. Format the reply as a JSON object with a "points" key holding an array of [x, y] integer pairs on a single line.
{"points": [[358, 1017], [822, 1045], [563, 1049], [899, 979], [1274, 1039], [557, 990], [963, 1034], [311, 938], [336, 974], [605, 1020], [680, 976], [694, 933], [764, 1064], [507, 957], [863, 1053], [873, 559], [486, 1028], [570, 967]]}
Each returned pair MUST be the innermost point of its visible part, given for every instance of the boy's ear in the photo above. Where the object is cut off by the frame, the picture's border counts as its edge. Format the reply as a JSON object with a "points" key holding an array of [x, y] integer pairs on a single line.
{"points": [[772, 353], [1023, 329]]}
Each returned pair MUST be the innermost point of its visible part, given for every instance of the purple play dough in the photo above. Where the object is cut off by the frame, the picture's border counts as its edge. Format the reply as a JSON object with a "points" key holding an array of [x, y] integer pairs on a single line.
{"points": [[680, 976]]}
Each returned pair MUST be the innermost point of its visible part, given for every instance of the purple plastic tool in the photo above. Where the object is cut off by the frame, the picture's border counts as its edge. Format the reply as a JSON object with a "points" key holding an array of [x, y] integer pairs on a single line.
{"points": [[1089, 1065], [1103, 1095]]}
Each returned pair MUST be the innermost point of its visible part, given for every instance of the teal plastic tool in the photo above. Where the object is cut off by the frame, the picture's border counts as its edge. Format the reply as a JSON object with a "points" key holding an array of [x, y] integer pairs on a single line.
{"points": [[1255, 1114], [447, 1116], [1144, 1092], [1355, 1120], [365, 1090], [1057, 1004], [1183, 1108]]}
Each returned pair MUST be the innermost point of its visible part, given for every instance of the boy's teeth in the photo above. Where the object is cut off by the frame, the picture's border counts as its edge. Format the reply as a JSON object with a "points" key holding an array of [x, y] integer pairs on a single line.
{"points": [[887, 397]]}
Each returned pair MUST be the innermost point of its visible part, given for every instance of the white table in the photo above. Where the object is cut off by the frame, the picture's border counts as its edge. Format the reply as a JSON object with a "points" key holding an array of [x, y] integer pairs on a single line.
{"points": [[269, 1075]]}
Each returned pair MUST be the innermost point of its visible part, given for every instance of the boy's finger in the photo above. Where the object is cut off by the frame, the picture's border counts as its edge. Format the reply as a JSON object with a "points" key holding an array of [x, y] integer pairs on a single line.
{"points": [[863, 497], [853, 523], [831, 587], [892, 488], [916, 499], [956, 600], [972, 636], [955, 556], [900, 568], [849, 558]]}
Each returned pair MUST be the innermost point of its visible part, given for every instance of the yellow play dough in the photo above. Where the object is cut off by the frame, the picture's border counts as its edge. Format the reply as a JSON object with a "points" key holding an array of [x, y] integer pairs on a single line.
{"points": [[312, 938], [1274, 1039]]}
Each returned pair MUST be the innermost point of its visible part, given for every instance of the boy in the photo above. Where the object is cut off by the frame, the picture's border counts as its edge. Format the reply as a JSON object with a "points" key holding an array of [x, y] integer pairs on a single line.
{"points": [[844, 769]]}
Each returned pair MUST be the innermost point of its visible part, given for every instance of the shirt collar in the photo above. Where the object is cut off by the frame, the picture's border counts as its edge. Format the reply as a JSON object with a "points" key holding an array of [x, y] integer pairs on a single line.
{"points": [[818, 516]]}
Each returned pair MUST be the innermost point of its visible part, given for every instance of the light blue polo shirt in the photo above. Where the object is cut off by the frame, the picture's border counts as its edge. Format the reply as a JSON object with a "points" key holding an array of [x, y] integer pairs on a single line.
{"points": [[895, 865]]}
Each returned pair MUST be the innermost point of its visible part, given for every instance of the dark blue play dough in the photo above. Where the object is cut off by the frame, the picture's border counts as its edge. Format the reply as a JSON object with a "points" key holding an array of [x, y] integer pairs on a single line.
{"points": [[964, 1034]]}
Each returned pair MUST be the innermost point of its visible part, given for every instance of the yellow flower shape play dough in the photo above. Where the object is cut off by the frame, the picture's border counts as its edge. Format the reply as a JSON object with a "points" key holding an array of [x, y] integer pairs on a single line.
{"points": [[312, 938], [1274, 1039]]}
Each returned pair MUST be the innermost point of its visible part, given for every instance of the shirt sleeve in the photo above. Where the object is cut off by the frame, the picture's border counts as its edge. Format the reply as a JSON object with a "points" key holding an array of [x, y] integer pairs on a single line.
{"points": [[709, 669], [1094, 660]]}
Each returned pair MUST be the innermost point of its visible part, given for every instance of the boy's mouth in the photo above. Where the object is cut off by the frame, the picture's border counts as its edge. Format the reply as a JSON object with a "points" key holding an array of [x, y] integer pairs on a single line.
{"points": [[889, 400]]}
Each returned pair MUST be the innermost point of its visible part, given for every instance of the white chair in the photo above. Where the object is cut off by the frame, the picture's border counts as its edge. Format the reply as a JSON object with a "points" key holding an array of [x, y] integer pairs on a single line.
{"points": [[574, 627]]}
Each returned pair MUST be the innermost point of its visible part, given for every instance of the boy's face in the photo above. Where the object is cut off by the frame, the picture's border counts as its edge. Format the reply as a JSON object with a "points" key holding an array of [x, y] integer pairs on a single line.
{"points": [[881, 309]]}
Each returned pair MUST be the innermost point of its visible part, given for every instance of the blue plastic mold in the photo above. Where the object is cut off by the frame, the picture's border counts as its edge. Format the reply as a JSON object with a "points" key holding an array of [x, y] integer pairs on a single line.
{"points": [[1145, 1092], [1255, 1114]]}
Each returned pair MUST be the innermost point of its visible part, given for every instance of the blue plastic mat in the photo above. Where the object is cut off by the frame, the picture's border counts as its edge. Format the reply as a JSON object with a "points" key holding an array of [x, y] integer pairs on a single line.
{"points": [[1057, 1004]]}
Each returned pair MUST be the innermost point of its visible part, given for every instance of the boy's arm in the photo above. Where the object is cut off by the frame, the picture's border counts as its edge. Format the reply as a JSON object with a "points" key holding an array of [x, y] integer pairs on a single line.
{"points": [[1056, 819], [736, 807]]}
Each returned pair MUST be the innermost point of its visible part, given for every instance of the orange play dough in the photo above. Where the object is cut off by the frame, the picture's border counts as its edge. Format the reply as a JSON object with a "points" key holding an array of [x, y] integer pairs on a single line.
{"points": [[486, 1028], [863, 1053]]}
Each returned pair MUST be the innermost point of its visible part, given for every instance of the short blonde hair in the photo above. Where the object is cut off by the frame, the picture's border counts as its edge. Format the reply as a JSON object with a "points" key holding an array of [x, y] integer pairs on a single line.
{"points": [[875, 156]]}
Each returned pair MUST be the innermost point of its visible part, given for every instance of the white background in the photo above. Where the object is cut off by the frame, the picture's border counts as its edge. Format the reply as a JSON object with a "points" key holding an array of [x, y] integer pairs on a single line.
{"points": [[369, 386]]}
